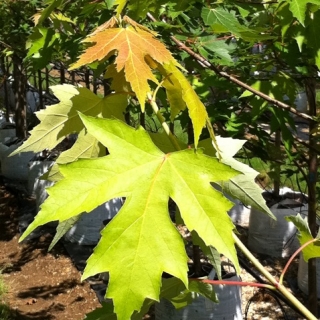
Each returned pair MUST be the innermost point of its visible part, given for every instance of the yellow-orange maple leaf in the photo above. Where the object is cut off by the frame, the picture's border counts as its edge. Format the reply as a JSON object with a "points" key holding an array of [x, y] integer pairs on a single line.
{"points": [[131, 45]]}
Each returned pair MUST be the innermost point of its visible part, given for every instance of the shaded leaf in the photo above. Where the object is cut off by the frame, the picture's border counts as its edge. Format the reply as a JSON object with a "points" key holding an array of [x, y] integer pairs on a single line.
{"points": [[103, 313], [223, 21], [62, 119], [313, 249], [53, 4], [299, 8], [218, 47], [62, 229], [312, 35], [211, 253], [174, 290], [162, 141], [243, 186], [85, 147]]}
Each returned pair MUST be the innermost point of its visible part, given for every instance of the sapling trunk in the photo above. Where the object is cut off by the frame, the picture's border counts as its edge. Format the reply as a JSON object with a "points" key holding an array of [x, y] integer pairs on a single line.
{"points": [[62, 74], [47, 80], [142, 120], [73, 78], [196, 261], [35, 80], [20, 97], [40, 91], [87, 78], [4, 84], [106, 87], [310, 85], [276, 183], [6, 98]]}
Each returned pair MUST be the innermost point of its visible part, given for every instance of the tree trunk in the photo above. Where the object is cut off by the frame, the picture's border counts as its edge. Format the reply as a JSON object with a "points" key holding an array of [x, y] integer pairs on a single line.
{"points": [[276, 183], [310, 86], [62, 74], [40, 91], [47, 80], [87, 78], [20, 98], [5, 88]]}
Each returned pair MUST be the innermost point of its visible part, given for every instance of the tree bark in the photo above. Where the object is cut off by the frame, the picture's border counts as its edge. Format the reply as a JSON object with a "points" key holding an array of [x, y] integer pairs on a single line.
{"points": [[310, 86], [40, 89], [20, 97]]}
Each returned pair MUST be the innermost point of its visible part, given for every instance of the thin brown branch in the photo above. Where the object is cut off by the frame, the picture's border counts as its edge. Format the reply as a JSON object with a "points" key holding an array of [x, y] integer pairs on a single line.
{"points": [[204, 62]]}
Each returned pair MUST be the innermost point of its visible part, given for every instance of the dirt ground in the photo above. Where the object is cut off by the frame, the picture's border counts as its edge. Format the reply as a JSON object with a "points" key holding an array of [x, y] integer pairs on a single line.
{"points": [[41, 285], [47, 286]]}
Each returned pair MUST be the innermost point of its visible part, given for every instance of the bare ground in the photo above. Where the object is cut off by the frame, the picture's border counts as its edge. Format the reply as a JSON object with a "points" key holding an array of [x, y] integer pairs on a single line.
{"points": [[41, 285]]}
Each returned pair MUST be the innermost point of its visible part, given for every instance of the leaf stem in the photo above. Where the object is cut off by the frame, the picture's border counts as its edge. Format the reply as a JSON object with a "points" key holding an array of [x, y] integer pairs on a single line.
{"points": [[213, 138], [293, 256], [274, 282], [205, 63], [163, 122], [235, 283]]}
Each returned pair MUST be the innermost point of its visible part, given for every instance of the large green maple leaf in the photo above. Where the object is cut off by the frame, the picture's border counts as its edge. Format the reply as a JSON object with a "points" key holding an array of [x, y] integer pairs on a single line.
{"points": [[141, 243]]}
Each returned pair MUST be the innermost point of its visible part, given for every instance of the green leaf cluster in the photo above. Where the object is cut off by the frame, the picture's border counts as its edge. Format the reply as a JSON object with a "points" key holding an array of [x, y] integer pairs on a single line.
{"points": [[117, 155]]}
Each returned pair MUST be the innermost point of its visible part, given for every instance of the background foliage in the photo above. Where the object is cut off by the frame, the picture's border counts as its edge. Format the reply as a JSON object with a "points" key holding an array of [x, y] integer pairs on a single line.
{"points": [[196, 82]]}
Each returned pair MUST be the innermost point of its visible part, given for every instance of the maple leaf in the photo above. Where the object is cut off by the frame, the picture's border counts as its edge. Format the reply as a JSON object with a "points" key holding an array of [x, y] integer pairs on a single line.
{"points": [[180, 92], [60, 120], [111, 23], [141, 237], [131, 45], [243, 186], [119, 83], [304, 235], [85, 147]]}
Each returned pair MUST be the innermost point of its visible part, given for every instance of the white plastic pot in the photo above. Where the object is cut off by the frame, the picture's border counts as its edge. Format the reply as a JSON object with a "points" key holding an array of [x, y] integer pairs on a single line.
{"points": [[6, 134], [36, 186], [276, 238], [15, 167], [301, 102], [228, 308], [87, 230], [240, 214], [303, 276]]}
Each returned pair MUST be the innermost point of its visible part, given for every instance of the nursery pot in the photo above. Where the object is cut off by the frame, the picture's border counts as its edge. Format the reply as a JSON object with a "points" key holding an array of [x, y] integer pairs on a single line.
{"points": [[15, 167], [87, 230], [303, 276], [276, 238], [240, 214], [228, 307], [36, 186], [6, 134]]}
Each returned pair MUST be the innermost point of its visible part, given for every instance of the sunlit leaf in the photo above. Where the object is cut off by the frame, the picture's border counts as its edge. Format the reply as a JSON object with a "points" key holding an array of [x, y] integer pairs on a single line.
{"points": [[139, 171], [132, 45]]}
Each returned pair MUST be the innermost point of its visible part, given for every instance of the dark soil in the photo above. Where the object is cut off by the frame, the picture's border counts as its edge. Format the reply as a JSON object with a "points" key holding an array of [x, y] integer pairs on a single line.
{"points": [[41, 285]]}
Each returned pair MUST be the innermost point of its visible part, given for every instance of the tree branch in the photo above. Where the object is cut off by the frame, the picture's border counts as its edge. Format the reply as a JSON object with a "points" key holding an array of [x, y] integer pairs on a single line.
{"points": [[205, 63]]}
